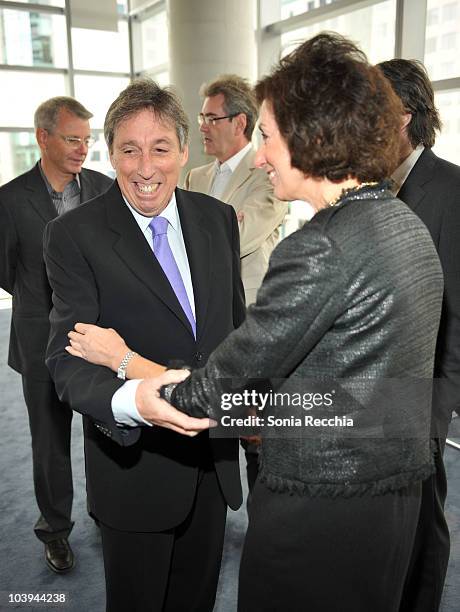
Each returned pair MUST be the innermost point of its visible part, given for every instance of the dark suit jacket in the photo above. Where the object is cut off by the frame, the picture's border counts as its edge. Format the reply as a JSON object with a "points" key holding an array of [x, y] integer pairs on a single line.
{"points": [[103, 271], [432, 191], [25, 209]]}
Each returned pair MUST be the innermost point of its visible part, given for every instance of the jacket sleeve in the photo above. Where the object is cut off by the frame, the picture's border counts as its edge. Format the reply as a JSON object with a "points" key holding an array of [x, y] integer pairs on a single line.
{"points": [[87, 388], [263, 213], [447, 365], [8, 248], [298, 302]]}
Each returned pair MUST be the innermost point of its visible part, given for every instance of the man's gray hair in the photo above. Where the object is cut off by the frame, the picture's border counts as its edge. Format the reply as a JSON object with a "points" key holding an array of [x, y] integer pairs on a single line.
{"points": [[46, 115], [144, 94], [238, 95]]}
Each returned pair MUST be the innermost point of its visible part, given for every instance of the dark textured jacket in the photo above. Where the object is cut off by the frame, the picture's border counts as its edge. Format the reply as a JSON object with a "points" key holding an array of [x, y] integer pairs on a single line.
{"points": [[353, 295]]}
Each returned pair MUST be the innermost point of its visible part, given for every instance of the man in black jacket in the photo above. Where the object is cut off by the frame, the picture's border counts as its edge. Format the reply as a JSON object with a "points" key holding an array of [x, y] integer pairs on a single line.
{"points": [[56, 184], [161, 266], [430, 186]]}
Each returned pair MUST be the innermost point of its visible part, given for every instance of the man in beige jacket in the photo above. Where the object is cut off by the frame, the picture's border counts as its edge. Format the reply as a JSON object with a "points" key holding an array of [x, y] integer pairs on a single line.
{"points": [[227, 121]]}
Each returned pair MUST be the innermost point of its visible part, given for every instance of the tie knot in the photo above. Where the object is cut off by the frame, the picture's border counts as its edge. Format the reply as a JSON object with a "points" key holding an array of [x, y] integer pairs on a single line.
{"points": [[159, 225]]}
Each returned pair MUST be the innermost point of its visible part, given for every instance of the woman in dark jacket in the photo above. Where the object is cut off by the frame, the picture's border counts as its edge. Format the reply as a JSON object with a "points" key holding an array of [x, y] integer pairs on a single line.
{"points": [[349, 309]]}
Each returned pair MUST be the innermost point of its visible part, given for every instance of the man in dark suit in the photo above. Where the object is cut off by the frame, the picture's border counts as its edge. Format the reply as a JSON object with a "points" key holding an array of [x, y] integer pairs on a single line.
{"points": [[56, 184], [160, 497], [431, 188]]}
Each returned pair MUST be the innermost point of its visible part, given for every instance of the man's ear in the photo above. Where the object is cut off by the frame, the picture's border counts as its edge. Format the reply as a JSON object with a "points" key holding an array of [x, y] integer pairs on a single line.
{"points": [[406, 119], [42, 137], [240, 123], [184, 156]]}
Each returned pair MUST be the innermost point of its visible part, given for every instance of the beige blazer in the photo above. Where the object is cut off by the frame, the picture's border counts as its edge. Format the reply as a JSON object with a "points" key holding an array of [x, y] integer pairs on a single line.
{"points": [[249, 191]]}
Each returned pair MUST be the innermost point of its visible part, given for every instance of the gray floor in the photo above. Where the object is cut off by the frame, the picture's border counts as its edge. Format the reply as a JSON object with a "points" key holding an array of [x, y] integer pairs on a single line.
{"points": [[22, 568]]}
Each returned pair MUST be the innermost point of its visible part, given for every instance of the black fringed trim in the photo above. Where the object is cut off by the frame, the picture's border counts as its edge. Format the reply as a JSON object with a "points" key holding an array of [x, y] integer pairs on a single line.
{"points": [[379, 487]]}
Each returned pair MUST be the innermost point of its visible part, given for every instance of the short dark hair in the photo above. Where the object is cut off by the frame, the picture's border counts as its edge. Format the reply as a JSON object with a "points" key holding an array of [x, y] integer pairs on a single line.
{"points": [[238, 95], [411, 83], [337, 113], [144, 94], [47, 113]]}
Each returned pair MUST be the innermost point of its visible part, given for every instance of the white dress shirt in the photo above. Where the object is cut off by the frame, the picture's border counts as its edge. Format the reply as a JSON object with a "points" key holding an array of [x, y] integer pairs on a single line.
{"points": [[223, 172], [403, 170], [123, 401]]}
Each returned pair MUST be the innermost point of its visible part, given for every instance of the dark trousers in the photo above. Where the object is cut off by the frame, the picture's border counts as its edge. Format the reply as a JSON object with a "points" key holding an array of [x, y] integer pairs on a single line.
{"points": [[430, 557], [50, 427], [171, 571], [327, 554]]}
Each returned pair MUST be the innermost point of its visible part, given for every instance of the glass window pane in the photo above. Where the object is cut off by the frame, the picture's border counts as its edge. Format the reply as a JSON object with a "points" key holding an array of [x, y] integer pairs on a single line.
{"points": [[162, 78], [112, 49], [58, 3], [448, 141], [35, 88], [122, 7], [98, 157], [32, 39], [97, 94], [373, 28], [154, 37], [442, 58], [289, 8], [18, 153]]}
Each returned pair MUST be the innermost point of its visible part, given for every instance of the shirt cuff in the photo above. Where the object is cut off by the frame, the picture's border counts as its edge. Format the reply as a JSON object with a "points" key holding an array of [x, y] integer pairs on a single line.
{"points": [[124, 407]]}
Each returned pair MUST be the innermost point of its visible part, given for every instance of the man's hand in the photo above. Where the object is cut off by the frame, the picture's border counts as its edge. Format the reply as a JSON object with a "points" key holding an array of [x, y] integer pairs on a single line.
{"points": [[158, 412], [240, 216], [97, 345]]}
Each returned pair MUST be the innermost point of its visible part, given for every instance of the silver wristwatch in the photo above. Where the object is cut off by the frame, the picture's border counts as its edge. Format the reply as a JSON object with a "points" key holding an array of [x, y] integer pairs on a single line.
{"points": [[121, 372]]}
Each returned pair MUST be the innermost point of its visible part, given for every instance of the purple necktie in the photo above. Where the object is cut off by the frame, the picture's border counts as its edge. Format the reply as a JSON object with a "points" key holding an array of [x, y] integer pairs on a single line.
{"points": [[162, 250]]}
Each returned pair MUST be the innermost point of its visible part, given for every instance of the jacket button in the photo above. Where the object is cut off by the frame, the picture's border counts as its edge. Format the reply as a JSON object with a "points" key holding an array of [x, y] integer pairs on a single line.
{"points": [[199, 356]]}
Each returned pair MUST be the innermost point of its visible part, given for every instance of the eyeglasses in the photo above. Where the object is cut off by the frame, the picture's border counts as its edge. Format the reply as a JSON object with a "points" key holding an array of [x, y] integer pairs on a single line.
{"points": [[210, 120], [75, 143]]}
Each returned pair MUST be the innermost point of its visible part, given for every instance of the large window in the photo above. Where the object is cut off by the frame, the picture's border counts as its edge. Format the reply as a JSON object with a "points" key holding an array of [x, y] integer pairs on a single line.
{"points": [[36, 64], [112, 49], [290, 8], [448, 142], [378, 28], [372, 27], [18, 153], [32, 38], [30, 89], [442, 56], [151, 43], [428, 30], [97, 93]]}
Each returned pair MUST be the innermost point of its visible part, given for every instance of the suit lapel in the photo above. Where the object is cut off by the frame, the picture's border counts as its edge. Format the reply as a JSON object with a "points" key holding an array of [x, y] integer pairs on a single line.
{"points": [[413, 191], [132, 248], [88, 192], [208, 178], [198, 247], [38, 196], [90, 186], [241, 174]]}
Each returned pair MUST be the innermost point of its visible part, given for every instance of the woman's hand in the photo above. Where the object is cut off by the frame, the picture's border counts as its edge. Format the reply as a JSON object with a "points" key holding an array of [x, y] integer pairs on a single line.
{"points": [[97, 345], [158, 412]]}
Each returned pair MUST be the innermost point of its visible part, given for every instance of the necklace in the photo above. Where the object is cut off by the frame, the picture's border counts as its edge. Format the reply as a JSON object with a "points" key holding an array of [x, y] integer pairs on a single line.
{"points": [[349, 191]]}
